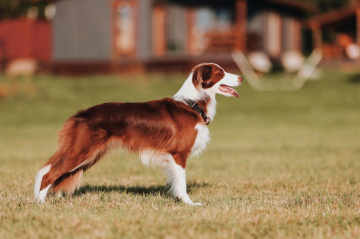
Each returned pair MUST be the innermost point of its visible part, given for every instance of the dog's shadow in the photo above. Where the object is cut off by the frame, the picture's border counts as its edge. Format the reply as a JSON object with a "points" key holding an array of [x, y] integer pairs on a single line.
{"points": [[136, 190]]}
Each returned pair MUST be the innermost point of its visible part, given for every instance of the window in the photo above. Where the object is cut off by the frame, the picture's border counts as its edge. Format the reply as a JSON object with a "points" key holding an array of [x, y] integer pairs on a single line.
{"points": [[158, 30], [124, 28], [273, 34]]}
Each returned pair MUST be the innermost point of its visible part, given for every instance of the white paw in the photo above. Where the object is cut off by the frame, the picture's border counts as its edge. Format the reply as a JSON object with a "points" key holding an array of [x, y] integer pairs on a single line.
{"points": [[190, 203], [187, 200]]}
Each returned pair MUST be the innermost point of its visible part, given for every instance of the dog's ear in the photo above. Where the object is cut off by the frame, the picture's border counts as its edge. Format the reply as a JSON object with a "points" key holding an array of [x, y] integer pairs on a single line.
{"points": [[201, 74]]}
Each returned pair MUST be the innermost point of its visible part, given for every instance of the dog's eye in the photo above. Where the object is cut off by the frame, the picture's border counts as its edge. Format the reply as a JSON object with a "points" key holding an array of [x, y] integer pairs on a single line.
{"points": [[219, 72]]}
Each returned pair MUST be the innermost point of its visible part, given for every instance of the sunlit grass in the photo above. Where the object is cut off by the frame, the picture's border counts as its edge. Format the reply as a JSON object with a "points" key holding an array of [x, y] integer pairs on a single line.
{"points": [[280, 165]]}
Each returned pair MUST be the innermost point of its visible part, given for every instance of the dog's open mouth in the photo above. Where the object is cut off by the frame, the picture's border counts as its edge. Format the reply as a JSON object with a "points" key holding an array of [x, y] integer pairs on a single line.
{"points": [[229, 90]]}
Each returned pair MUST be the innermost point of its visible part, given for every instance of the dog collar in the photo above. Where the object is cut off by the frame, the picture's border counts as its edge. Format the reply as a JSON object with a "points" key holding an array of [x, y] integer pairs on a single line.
{"points": [[193, 105]]}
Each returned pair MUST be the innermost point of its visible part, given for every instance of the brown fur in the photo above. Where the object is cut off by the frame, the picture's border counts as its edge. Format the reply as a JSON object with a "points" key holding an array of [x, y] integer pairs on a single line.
{"points": [[88, 135], [207, 75], [68, 182], [165, 126]]}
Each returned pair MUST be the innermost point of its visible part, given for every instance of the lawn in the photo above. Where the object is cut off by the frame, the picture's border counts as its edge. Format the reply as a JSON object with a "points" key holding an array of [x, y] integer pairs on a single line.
{"points": [[279, 165]]}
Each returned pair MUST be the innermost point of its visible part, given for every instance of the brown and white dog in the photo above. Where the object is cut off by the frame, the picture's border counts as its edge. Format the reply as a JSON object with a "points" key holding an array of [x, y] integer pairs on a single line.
{"points": [[165, 132]]}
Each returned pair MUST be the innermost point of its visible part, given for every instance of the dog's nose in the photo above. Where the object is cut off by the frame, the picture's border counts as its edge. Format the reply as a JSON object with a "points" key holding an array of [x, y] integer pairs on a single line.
{"points": [[240, 79]]}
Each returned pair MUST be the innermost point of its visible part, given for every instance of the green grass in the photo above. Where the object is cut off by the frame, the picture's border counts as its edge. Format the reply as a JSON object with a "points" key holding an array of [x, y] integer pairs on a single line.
{"points": [[280, 165]]}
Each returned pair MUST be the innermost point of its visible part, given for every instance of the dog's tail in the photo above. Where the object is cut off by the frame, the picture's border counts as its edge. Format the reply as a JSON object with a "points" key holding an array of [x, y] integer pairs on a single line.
{"points": [[80, 147], [38, 180], [67, 183]]}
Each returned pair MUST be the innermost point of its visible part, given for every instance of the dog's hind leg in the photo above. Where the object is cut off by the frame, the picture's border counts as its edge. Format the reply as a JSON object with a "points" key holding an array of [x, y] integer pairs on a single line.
{"points": [[175, 168], [81, 146], [71, 181], [60, 170], [66, 175], [68, 182]]}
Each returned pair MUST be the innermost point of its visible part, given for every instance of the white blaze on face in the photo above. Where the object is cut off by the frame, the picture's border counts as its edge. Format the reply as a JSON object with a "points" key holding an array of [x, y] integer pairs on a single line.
{"points": [[224, 86]]}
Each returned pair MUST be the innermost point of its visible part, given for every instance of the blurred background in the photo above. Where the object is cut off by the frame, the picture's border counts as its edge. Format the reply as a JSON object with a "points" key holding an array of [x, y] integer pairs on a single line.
{"points": [[78, 37], [284, 158]]}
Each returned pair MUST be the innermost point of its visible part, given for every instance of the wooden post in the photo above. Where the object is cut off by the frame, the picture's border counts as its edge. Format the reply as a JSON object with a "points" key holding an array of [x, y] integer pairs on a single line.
{"points": [[190, 22], [316, 34], [358, 22], [240, 24], [159, 30]]}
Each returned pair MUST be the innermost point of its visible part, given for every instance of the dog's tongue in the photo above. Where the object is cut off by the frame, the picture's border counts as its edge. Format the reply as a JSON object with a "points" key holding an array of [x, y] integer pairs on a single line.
{"points": [[228, 89]]}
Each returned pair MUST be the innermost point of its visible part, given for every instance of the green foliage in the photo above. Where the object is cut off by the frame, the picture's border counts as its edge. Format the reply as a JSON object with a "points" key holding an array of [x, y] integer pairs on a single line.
{"points": [[18, 8], [327, 5], [280, 165]]}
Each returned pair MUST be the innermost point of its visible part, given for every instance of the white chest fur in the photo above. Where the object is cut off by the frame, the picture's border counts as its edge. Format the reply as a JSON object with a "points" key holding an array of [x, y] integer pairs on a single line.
{"points": [[202, 138]]}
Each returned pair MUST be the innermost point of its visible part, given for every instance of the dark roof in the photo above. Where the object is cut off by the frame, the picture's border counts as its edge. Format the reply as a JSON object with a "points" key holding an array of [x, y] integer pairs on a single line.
{"points": [[295, 4], [298, 4], [333, 16]]}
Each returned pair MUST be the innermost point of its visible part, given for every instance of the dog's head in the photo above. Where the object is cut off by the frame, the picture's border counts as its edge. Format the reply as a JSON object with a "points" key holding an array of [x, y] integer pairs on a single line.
{"points": [[211, 78]]}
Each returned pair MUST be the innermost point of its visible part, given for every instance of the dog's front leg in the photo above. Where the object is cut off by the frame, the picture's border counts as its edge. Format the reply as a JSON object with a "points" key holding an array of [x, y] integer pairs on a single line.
{"points": [[177, 178]]}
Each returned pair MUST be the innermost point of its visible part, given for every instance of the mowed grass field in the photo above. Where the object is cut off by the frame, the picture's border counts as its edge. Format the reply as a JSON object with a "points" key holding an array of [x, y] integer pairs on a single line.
{"points": [[279, 164]]}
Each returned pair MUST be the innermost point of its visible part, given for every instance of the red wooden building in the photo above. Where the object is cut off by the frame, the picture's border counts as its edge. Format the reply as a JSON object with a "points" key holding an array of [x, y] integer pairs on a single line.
{"points": [[148, 35], [25, 38], [337, 32]]}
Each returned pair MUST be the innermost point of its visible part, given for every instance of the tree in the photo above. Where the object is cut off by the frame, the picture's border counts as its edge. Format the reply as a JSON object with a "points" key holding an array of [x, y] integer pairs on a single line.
{"points": [[17, 8], [327, 5]]}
